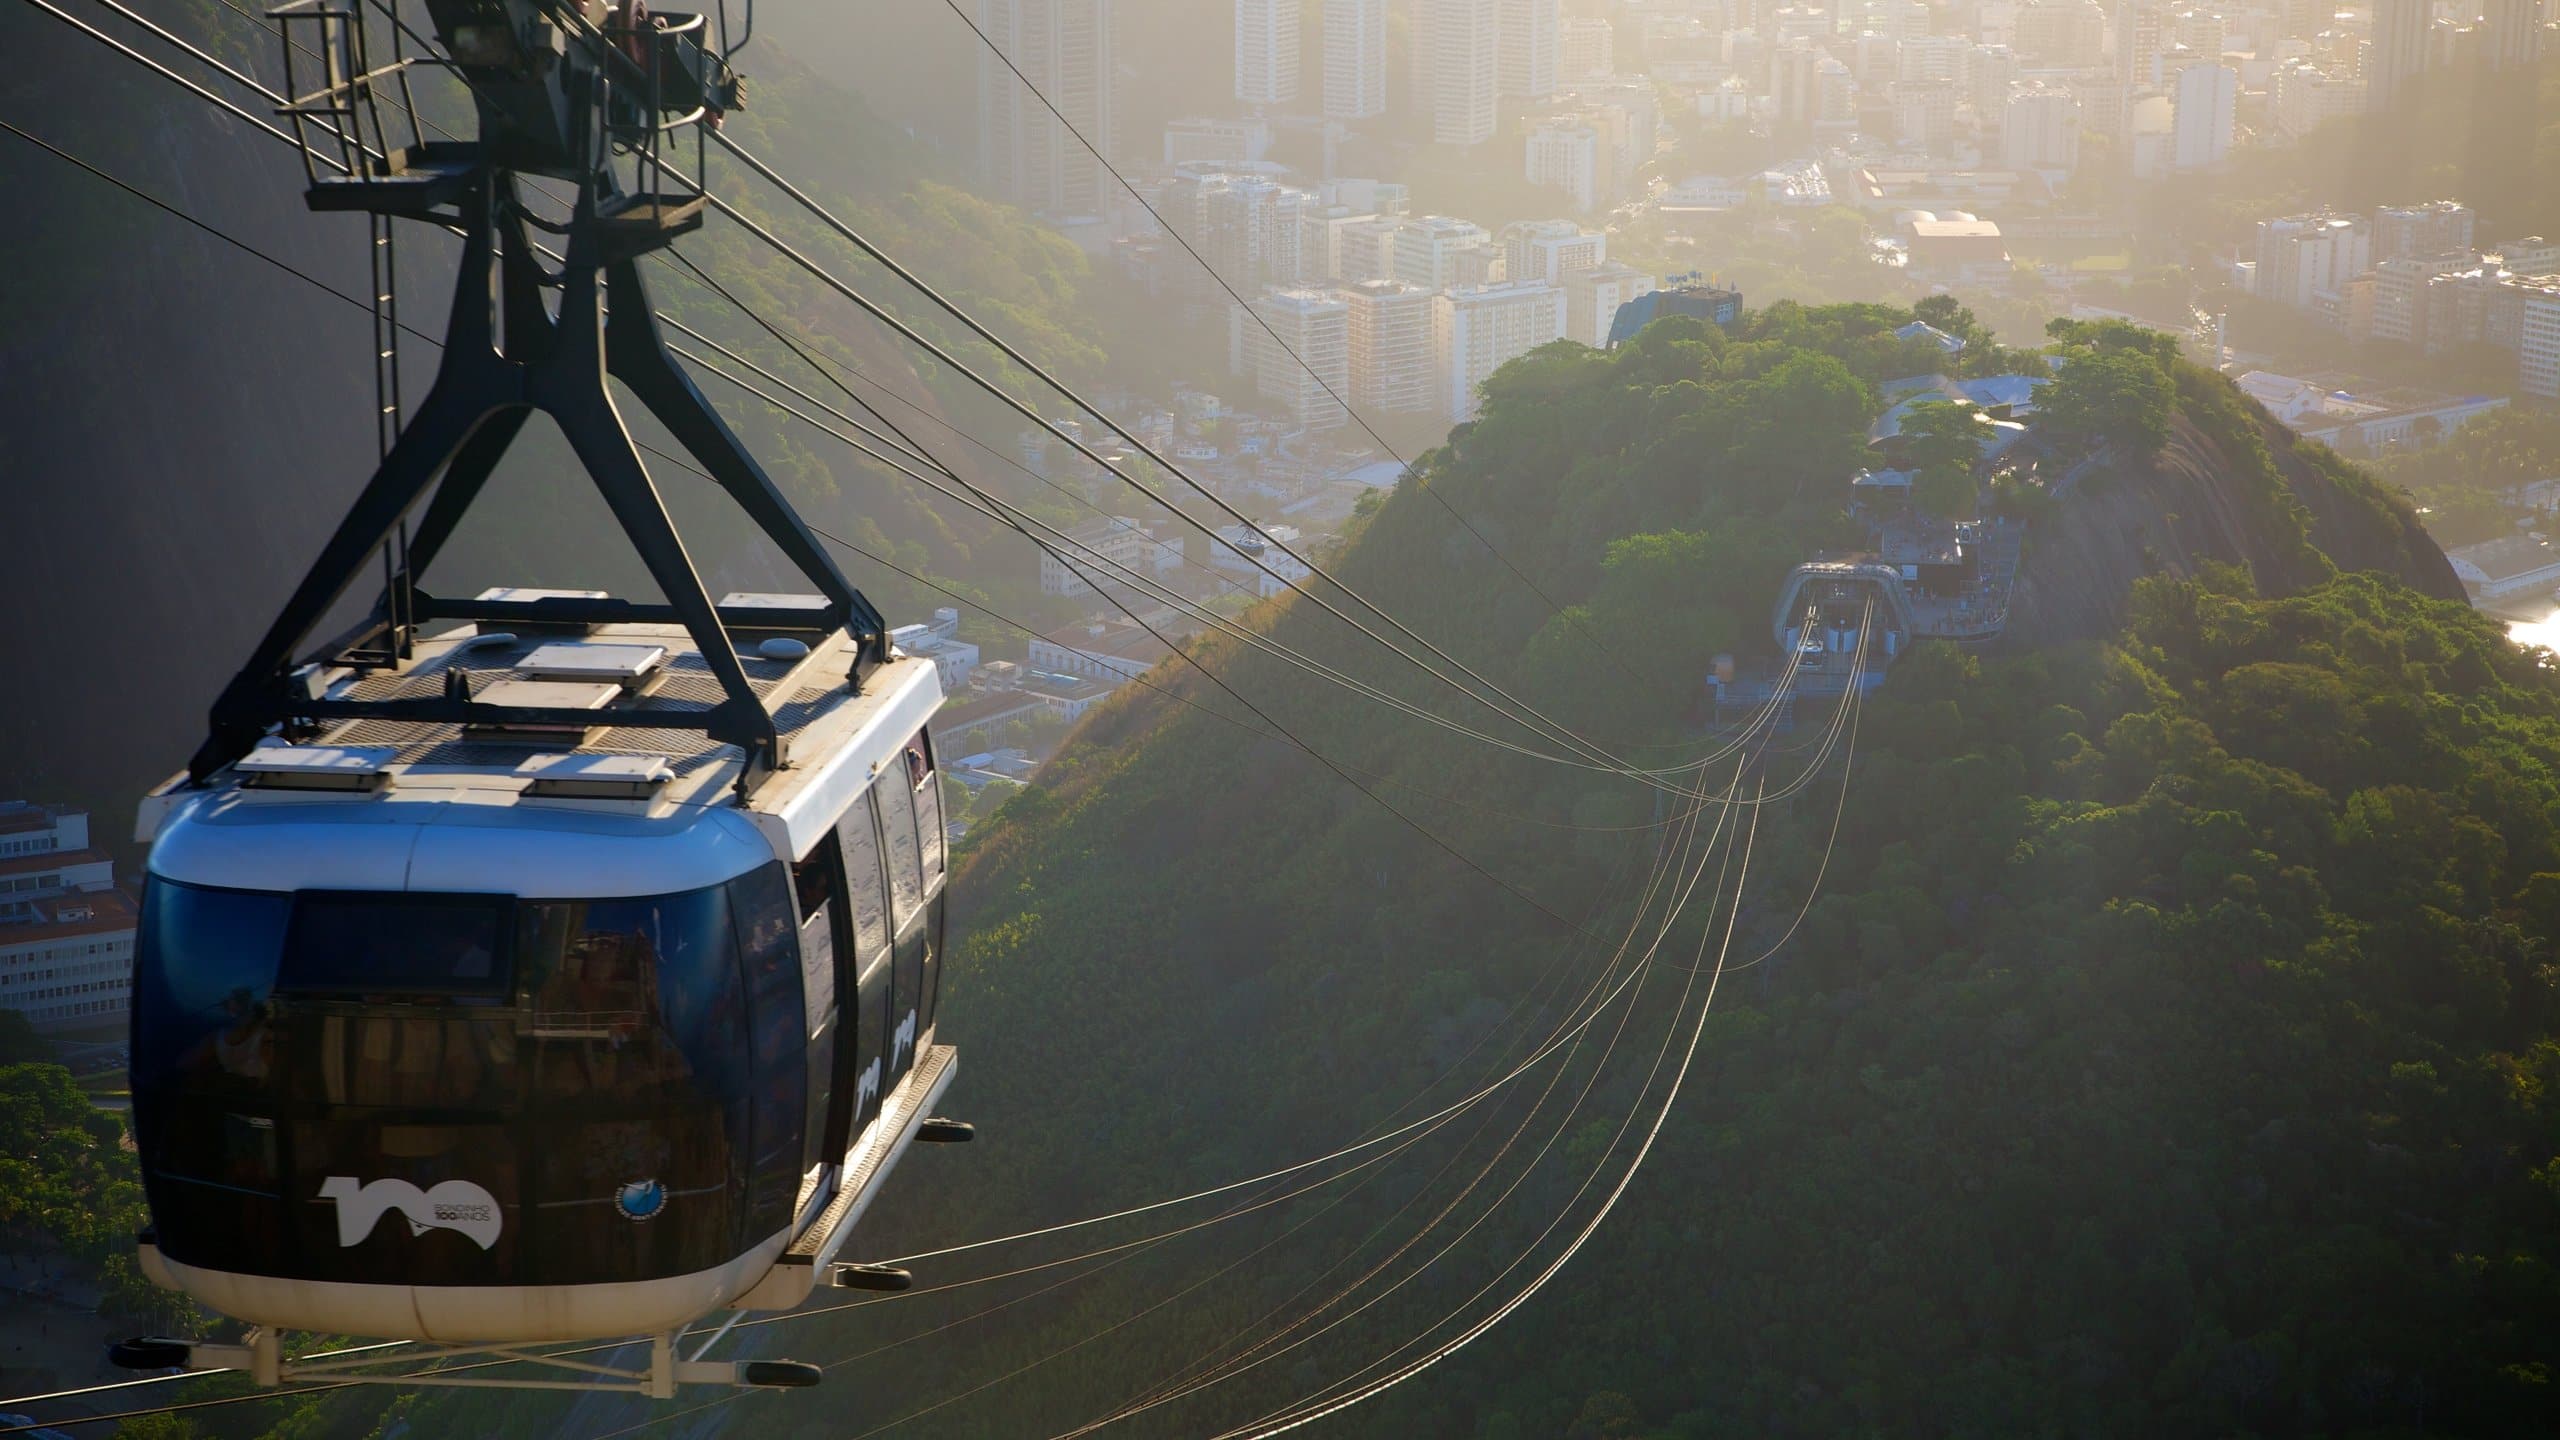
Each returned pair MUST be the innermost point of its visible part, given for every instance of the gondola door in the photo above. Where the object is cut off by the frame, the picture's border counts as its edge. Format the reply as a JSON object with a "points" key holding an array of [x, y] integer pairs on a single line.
{"points": [[861, 1070], [826, 945]]}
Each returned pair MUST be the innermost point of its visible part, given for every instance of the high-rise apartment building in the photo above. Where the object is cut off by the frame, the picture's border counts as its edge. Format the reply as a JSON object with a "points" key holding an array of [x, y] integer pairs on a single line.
{"points": [[1368, 250], [1567, 155], [66, 932], [1477, 331], [1266, 51], [1389, 328], [1427, 249], [1355, 59], [2140, 26], [2399, 50], [2513, 33], [1924, 114], [1532, 47], [2538, 349], [1549, 250], [2040, 128], [1322, 231], [1026, 156], [1464, 40], [1304, 351], [1589, 50], [1249, 230], [2204, 102], [2401, 290], [1592, 297], [2307, 97], [2303, 257], [1795, 70], [2062, 33], [2405, 231]]}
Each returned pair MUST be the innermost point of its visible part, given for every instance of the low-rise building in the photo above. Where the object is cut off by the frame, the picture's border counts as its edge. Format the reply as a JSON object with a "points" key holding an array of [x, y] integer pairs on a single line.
{"points": [[1958, 252], [1110, 650], [1118, 541], [66, 932], [1477, 331], [2512, 565]]}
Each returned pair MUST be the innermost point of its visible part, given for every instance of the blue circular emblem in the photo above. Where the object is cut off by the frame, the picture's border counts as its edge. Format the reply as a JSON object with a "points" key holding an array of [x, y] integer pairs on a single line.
{"points": [[640, 1200]]}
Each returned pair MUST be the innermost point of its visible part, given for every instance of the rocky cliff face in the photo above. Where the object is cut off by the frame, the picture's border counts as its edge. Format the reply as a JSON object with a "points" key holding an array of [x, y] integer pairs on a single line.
{"points": [[2230, 487]]}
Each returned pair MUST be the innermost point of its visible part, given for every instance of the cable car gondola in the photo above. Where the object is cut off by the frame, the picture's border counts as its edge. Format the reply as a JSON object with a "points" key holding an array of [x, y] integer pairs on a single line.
{"points": [[568, 972]]}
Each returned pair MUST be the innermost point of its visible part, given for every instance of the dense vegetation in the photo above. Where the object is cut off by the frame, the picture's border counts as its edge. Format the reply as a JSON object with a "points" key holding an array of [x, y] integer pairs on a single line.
{"points": [[2463, 479]]}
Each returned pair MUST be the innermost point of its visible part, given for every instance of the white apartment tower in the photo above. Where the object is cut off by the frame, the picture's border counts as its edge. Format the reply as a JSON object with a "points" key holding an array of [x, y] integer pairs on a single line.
{"points": [[1355, 59], [1427, 249], [1390, 342], [2204, 102], [66, 932], [1549, 250], [1476, 332], [1565, 154], [2302, 257], [2406, 231], [2399, 50], [1305, 352], [2040, 129], [1464, 38], [1532, 47], [1592, 298], [1266, 51], [1588, 50], [1027, 157]]}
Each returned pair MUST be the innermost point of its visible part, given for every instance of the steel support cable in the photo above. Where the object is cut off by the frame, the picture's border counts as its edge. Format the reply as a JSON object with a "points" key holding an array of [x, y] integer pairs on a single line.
{"points": [[832, 369], [1550, 1046], [1022, 521], [1331, 393], [1279, 1421], [1090, 1337], [1511, 708], [1690, 969], [1239, 1363], [1291, 1418], [1128, 575], [920, 452], [1205, 1372], [1813, 891]]}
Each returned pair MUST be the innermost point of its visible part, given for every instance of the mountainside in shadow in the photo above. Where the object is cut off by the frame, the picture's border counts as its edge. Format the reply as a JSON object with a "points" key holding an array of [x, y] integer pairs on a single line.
{"points": [[2231, 487]]}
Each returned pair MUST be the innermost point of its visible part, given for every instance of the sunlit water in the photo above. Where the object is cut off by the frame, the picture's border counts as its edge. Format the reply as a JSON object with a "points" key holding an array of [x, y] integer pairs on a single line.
{"points": [[2544, 632]]}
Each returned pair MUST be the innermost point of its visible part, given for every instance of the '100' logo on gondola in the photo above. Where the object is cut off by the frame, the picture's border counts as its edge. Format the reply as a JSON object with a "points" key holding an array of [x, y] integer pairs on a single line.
{"points": [[455, 1205]]}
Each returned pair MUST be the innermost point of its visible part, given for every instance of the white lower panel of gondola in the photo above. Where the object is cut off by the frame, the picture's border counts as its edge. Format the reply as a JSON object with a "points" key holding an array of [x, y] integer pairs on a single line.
{"points": [[803, 1266], [464, 1314]]}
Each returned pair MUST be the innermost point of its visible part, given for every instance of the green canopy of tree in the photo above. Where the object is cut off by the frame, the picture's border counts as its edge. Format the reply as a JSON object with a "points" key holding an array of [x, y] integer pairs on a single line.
{"points": [[2111, 395]]}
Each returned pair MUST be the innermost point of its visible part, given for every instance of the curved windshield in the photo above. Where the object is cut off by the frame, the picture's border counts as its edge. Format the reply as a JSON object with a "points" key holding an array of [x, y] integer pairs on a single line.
{"points": [[585, 1063], [204, 969]]}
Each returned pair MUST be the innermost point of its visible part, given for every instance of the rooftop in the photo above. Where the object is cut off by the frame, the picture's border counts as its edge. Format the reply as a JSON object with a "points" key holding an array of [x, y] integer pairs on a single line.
{"points": [[2507, 556], [44, 860], [99, 912]]}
